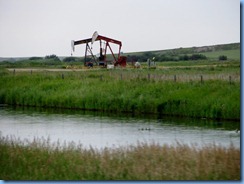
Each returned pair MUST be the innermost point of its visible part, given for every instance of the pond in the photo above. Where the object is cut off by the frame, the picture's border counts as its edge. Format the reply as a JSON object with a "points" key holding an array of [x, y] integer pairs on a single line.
{"points": [[100, 130]]}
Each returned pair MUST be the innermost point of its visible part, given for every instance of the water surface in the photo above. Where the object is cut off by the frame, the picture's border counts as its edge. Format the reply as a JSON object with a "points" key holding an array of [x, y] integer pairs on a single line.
{"points": [[99, 130]]}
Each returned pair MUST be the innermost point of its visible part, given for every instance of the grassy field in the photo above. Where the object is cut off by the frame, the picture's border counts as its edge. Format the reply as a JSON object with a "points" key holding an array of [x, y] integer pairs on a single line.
{"points": [[231, 54], [232, 51], [180, 91], [38, 160], [207, 89]]}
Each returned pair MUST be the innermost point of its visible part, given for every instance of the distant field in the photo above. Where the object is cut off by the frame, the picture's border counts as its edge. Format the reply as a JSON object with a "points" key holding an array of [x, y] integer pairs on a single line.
{"points": [[232, 51], [231, 54]]}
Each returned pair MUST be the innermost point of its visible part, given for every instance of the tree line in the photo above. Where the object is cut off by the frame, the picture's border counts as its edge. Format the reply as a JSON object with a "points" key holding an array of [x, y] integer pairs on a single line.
{"points": [[137, 57], [165, 57]]}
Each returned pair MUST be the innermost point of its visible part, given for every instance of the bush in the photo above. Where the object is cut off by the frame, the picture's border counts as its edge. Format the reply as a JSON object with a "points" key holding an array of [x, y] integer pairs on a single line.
{"points": [[184, 58], [69, 59], [222, 58], [35, 58], [53, 56], [197, 57]]}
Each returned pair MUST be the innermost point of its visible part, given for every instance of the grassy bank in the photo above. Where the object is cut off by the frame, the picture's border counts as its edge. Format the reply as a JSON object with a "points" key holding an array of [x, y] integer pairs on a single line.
{"points": [[36, 161], [126, 91]]}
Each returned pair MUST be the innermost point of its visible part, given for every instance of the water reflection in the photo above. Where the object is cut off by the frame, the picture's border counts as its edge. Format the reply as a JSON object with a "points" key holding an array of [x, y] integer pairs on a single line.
{"points": [[103, 130]]}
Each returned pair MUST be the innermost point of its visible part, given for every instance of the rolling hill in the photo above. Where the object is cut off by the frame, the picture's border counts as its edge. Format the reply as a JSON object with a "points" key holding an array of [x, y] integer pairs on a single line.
{"points": [[231, 50]]}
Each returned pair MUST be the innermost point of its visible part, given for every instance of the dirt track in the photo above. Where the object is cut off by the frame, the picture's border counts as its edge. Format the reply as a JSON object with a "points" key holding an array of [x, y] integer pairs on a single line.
{"points": [[86, 69], [45, 69]]}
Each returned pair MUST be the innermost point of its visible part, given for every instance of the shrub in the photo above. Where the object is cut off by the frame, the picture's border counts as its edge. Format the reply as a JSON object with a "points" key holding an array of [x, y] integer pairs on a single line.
{"points": [[53, 56], [69, 59], [222, 58], [35, 58], [198, 57]]}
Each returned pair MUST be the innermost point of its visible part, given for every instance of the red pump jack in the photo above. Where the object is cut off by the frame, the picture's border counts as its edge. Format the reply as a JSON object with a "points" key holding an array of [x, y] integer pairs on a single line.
{"points": [[102, 60]]}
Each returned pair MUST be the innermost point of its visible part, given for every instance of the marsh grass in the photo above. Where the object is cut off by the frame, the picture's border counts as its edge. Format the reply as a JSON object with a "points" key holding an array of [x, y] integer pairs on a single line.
{"points": [[124, 91], [41, 160]]}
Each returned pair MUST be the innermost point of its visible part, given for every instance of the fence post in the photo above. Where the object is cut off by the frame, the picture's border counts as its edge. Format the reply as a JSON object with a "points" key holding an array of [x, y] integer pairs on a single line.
{"points": [[62, 76], [14, 72], [230, 79], [201, 79], [121, 76]]}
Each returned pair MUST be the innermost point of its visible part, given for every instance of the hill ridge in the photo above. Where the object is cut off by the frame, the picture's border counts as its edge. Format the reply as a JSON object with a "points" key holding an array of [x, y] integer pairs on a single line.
{"points": [[181, 50]]}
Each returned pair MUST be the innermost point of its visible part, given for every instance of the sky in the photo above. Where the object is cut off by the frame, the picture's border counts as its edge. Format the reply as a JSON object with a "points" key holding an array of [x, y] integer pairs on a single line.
{"points": [[44, 27]]}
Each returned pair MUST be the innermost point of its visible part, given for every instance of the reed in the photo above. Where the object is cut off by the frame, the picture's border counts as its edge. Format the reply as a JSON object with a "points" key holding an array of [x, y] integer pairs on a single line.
{"points": [[42, 160], [216, 99]]}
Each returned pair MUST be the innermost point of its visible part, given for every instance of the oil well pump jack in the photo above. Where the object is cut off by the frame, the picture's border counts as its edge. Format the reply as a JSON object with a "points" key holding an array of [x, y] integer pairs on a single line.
{"points": [[90, 59]]}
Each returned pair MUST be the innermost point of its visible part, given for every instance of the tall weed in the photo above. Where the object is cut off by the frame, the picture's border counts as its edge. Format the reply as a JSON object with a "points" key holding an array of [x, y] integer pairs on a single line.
{"points": [[211, 99], [38, 160]]}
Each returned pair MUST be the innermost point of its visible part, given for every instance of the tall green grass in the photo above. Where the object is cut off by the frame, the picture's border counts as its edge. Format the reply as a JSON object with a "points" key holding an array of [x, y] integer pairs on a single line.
{"points": [[39, 160], [102, 90]]}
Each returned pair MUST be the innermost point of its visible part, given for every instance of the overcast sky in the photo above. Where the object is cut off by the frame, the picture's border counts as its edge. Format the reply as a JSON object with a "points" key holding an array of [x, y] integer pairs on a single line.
{"points": [[44, 27]]}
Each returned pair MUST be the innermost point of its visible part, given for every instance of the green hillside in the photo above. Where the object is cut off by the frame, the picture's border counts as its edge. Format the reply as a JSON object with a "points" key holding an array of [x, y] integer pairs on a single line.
{"points": [[231, 51], [231, 54]]}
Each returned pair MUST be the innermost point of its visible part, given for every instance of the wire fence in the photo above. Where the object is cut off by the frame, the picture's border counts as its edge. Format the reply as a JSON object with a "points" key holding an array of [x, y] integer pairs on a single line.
{"points": [[121, 75], [177, 78]]}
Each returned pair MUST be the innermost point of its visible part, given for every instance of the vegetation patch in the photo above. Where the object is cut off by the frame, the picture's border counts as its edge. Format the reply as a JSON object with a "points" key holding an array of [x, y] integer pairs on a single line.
{"points": [[39, 160], [124, 91]]}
